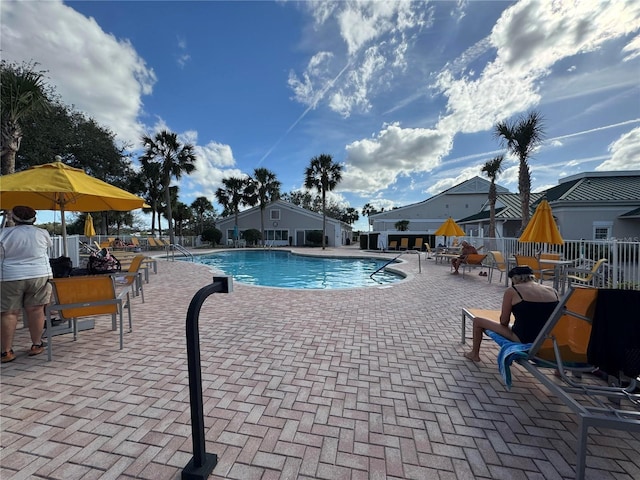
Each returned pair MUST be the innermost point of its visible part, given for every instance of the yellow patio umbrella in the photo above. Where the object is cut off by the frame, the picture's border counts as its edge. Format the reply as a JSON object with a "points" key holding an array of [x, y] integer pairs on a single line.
{"points": [[56, 186], [542, 227], [450, 229], [89, 231]]}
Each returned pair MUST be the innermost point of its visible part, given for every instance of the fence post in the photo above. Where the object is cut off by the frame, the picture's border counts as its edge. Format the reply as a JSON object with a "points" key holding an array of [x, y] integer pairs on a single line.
{"points": [[202, 463]]}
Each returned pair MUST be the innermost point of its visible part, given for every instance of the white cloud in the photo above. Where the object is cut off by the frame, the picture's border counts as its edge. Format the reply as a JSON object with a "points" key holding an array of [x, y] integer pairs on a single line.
{"points": [[98, 74], [533, 35], [633, 49], [625, 153], [374, 164], [375, 36], [529, 39]]}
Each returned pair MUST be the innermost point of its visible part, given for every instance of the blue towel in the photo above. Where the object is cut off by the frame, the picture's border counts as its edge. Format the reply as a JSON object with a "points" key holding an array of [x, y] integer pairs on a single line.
{"points": [[509, 351]]}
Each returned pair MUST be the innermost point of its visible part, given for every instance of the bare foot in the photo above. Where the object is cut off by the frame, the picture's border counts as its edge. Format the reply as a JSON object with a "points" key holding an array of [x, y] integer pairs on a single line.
{"points": [[470, 356]]}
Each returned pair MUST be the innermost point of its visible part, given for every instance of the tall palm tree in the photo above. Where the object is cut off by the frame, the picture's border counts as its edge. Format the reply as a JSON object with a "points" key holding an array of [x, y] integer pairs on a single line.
{"points": [[492, 168], [521, 137], [174, 159], [150, 177], [231, 197], [266, 190], [201, 205], [369, 210], [21, 94], [323, 175]]}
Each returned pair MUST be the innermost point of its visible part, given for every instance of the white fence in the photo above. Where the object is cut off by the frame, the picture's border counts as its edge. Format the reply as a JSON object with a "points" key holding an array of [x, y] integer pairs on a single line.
{"points": [[623, 257]]}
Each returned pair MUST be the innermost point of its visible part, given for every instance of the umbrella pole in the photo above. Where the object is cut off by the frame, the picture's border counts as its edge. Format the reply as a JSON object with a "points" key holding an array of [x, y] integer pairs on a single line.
{"points": [[64, 232]]}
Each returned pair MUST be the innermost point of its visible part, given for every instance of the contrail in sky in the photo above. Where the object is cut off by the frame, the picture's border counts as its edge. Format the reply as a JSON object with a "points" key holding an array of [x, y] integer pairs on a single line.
{"points": [[319, 97]]}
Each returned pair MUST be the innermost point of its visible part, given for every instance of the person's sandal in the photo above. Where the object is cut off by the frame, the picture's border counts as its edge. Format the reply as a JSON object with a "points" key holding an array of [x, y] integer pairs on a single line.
{"points": [[37, 349], [8, 356]]}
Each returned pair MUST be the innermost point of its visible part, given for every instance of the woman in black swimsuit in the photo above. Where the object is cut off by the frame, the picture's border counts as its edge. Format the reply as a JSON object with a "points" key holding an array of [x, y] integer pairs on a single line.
{"points": [[531, 304]]}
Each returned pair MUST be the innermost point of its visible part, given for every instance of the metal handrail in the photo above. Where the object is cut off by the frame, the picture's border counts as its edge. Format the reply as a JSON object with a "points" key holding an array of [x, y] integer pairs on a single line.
{"points": [[181, 249]]}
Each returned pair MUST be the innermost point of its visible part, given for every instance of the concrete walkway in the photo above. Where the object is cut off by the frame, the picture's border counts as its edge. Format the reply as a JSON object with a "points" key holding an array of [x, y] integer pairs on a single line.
{"points": [[345, 384]]}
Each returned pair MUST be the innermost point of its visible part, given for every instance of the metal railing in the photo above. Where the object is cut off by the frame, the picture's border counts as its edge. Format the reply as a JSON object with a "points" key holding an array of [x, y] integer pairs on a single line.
{"points": [[622, 268], [171, 249]]}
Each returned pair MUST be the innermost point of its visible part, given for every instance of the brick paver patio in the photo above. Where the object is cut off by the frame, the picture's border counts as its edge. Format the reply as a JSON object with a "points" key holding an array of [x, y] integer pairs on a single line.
{"points": [[345, 384]]}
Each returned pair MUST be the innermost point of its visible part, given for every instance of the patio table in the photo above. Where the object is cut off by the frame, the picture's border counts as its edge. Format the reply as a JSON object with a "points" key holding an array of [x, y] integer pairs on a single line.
{"points": [[559, 272]]}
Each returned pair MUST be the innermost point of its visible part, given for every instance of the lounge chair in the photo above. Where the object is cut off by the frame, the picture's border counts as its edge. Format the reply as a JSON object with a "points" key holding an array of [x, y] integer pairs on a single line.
{"points": [[593, 276], [540, 273], [496, 262], [393, 245], [153, 243], [576, 339], [418, 245], [404, 243], [428, 251], [85, 296], [473, 260], [133, 276]]}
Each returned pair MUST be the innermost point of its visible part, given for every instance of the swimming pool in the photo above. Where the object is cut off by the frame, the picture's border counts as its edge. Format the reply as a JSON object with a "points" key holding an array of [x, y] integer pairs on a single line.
{"points": [[271, 268]]}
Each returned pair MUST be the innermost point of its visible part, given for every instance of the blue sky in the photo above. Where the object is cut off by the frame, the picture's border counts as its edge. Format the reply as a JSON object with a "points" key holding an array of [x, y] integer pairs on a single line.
{"points": [[403, 94]]}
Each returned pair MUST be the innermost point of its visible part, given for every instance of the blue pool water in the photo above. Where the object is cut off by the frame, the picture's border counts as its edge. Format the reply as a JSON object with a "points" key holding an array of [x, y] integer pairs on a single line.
{"points": [[269, 268]]}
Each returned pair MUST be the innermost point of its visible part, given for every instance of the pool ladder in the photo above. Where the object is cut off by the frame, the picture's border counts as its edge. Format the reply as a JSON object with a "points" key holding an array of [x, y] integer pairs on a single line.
{"points": [[181, 249], [394, 259]]}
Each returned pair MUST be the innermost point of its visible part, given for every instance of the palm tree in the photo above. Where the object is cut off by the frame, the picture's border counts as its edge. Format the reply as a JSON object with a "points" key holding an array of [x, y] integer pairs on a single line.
{"points": [[266, 189], [323, 175], [174, 159], [201, 205], [521, 138], [369, 210], [150, 177], [492, 168], [231, 197], [22, 94]]}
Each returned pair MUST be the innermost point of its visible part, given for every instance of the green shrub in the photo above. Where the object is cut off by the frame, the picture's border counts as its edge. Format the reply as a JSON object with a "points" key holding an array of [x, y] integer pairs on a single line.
{"points": [[211, 235], [252, 236]]}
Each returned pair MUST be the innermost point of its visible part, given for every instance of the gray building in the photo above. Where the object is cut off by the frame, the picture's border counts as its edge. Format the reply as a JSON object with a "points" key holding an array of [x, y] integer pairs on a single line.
{"points": [[589, 205], [459, 201], [285, 224]]}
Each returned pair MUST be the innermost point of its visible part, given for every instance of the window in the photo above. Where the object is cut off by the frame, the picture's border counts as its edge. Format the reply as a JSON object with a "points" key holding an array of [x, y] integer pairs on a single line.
{"points": [[601, 233], [274, 214], [277, 234], [602, 230]]}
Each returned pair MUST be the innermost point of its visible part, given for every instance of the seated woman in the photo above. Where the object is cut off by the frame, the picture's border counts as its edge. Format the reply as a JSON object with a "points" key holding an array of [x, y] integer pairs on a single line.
{"points": [[531, 304]]}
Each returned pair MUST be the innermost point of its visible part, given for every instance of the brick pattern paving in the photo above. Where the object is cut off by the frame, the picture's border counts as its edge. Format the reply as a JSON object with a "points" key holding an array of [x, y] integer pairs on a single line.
{"points": [[350, 384]]}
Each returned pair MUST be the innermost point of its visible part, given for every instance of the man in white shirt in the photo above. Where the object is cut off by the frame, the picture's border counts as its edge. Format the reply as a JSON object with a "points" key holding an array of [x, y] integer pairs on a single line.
{"points": [[24, 279]]}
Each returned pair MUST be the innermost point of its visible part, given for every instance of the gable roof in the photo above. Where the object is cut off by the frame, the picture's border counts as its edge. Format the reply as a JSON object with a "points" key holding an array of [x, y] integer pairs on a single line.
{"points": [[597, 187], [507, 208], [287, 206], [473, 186]]}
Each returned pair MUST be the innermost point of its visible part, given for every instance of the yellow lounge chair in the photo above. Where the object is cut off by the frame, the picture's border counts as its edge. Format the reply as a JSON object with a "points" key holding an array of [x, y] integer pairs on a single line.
{"points": [[404, 243], [153, 243], [133, 276], [588, 277], [569, 342], [393, 245], [86, 296], [497, 262], [540, 273], [418, 245]]}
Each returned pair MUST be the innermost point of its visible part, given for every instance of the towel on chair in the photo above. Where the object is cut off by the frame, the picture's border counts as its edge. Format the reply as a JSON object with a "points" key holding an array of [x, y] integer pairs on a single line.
{"points": [[509, 351]]}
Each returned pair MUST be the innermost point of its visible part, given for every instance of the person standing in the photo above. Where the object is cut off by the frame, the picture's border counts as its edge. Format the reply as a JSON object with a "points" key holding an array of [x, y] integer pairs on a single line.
{"points": [[24, 279]]}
